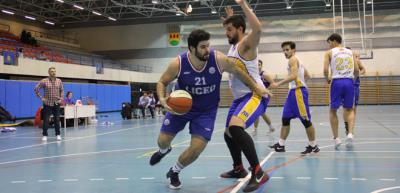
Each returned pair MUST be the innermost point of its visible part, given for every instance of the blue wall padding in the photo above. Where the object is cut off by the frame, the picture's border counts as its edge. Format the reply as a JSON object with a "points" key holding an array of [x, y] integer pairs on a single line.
{"points": [[19, 99]]}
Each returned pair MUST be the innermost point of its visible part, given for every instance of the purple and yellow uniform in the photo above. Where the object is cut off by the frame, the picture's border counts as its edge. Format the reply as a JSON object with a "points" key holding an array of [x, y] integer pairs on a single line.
{"points": [[296, 104]]}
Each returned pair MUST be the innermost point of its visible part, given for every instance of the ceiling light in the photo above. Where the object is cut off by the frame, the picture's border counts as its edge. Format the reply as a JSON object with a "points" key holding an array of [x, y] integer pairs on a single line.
{"points": [[213, 11], [61, 1], [96, 13], [369, 1], [78, 7], [49, 22], [111, 18], [7, 12], [328, 4], [288, 7], [178, 13], [154, 1], [29, 17]]}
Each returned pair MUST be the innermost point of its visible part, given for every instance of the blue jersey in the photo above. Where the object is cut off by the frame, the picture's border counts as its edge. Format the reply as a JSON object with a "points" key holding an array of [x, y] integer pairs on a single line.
{"points": [[202, 84], [357, 81], [265, 82]]}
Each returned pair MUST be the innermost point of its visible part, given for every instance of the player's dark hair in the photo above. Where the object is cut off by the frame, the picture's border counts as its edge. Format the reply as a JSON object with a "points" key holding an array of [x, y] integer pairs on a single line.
{"points": [[197, 36], [236, 21], [289, 43], [335, 37]]}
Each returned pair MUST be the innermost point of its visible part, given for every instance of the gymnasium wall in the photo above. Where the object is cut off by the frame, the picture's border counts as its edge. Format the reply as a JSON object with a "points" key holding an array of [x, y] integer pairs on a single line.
{"points": [[40, 68], [17, 27], [19, 99], [147, 44]]}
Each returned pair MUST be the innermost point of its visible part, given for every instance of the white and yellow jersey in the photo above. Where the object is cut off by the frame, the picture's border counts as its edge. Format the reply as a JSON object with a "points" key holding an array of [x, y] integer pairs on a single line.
{"points": [[342, 64], [250, 66], [300, 81]]}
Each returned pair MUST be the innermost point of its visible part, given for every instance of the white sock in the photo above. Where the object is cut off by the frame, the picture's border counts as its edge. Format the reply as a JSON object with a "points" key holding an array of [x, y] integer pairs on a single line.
{"points": [[281, 142], [177, 167], [312, 143], [163, 150]]}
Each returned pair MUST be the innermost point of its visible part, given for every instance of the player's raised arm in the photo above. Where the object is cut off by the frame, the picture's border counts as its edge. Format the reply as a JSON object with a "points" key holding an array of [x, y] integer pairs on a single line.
{"points": [[251, 41]]}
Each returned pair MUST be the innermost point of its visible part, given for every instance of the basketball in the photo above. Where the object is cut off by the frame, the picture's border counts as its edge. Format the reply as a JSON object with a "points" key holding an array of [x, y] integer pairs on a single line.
{"points": [[180, 101]]}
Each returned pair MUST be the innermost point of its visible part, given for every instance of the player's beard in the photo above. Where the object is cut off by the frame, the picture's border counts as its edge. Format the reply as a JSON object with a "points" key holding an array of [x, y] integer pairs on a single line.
{"points": [[202, 57], [234, 40]]}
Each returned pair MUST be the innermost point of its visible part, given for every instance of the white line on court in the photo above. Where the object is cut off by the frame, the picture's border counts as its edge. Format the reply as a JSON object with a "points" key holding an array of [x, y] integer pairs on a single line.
{"points": [[121, 178], [277, 178], [387, 179], [199, 178], [18, 182], [77, 138], [147, 178], [331, 178], [358, 179], [96, 179], [303, 178], [75, 154], [386, 189], [237, 187], [71, 180], [41, 181]]}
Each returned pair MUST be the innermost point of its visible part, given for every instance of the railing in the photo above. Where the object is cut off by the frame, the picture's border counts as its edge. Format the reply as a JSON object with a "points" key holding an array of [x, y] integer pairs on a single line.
{"points": [[374, 90], [74, 58], [52, 36], [4, 27]]}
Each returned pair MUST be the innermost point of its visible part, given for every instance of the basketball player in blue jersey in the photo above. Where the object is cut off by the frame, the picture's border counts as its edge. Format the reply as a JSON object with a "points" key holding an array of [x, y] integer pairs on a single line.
{"points": [[247, 106], [356, 89], [267, 81], [199, 72], [343, 69], [296, 105]]}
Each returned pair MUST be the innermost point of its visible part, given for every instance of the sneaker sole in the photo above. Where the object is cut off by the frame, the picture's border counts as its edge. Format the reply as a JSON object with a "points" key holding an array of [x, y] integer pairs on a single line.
{"points": [[174, 187], [337, 146]]}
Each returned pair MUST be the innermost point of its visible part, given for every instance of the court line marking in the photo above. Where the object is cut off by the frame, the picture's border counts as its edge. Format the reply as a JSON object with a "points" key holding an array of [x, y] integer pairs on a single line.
{"points": [[71, 180], [277, 178], [247, 178], [199, 177], [386, 189], [149, 153], [147, 178], [331, 178], [358, 179], [18, 182], [303, 178], [121, 178], [387, 179], [301, 157], [41, 181], [96, 179], [77, 138], [75, 154]]}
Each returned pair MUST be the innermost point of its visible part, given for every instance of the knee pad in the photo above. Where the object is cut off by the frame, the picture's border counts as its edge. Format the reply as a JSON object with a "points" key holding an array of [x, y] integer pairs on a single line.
{"points": [[285, 121], [306, 123]]}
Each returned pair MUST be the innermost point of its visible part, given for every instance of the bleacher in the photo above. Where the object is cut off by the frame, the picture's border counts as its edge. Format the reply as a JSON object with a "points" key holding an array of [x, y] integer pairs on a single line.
{"points": [[11, 42]]}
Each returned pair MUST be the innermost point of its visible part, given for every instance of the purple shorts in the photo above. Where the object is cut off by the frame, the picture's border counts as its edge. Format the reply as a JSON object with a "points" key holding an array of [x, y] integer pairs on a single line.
{"points": [[296, 105], [200, 123], [342, 92], [248, 108]]}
